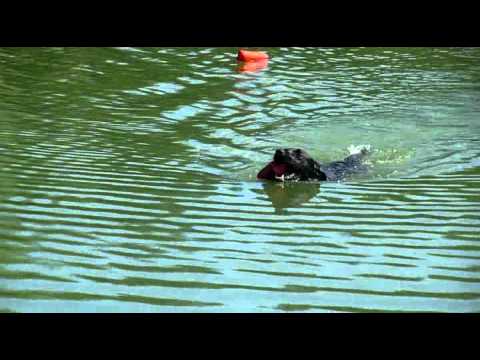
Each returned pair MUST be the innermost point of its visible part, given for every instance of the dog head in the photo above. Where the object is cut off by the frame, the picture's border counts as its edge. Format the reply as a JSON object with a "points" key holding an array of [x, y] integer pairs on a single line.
{"points": [[292, 165]]}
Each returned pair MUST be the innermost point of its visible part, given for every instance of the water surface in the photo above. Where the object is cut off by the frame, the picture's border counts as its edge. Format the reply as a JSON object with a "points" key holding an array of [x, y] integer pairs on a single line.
{"points": [[128, 180]]}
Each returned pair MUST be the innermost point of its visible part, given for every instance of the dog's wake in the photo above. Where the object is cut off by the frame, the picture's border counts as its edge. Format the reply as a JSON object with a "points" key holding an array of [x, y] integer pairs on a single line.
{"points": [[359, 149]]}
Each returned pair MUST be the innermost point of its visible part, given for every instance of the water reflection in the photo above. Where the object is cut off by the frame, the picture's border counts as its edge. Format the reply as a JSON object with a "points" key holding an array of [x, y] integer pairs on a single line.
{"points": [[284, 195], [252, 66]]}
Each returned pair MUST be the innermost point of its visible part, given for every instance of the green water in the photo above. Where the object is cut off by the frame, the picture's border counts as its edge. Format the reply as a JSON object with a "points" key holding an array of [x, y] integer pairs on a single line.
{"points": [[128, 181]]}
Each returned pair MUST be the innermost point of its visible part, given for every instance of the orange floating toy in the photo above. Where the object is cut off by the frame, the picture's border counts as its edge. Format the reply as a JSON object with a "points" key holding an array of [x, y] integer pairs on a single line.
{"points": [[253, 66], [246, 55]]}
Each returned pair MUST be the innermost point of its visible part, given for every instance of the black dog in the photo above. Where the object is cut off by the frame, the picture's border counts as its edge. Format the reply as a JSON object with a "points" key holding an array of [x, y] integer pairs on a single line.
{"points": [[297, 165]]}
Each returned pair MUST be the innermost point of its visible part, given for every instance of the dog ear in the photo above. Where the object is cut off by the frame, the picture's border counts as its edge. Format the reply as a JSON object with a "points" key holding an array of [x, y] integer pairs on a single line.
{"points": [[321, 175], [315, 169]]}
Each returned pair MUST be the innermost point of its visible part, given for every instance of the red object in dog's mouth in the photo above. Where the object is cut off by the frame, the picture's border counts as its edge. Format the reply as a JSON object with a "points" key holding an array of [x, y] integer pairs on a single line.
{"points": [[272, 171], [279, 169]]}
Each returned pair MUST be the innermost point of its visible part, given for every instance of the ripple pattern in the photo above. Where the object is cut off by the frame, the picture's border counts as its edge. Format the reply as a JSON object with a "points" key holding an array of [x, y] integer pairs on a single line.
{"points": [[128, 181]]}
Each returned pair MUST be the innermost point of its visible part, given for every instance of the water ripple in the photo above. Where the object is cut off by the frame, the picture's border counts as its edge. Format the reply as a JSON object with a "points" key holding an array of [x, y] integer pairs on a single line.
{"points": [[128, 180]]}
